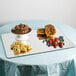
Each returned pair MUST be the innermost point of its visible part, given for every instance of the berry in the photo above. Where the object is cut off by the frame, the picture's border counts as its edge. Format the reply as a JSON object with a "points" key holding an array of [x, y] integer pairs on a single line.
{"points": [[50, 42], [53, 41], [57, 39], [54, 46], [43, 41], [61, 43], [61, 38], [61, 46], [51, 38], [56, 43]]}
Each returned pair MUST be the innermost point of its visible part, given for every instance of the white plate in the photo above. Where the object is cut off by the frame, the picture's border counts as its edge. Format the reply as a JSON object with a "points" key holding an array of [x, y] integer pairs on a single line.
{"points": [[37, 45]]}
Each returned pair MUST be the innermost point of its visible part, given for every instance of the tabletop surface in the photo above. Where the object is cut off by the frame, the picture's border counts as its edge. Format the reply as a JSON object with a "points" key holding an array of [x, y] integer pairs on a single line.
{"points": [[44, 58]]}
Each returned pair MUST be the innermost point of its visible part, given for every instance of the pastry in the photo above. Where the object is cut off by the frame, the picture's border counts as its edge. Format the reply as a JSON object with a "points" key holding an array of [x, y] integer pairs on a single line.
{"points": [[16, 49], [41, 36], [21, 29], [41, 31], [20, 48], [50, 30], [45, 33]]}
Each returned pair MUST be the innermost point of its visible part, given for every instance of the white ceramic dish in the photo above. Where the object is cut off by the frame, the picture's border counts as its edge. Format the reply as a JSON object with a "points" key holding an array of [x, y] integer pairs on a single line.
{"points": [[22, 37], [37, 45]]}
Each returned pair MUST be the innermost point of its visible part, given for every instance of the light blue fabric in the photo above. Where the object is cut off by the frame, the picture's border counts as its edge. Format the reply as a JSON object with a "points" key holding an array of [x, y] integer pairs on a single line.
{"points": [[47, 64], [65, 68], [71, 71]]}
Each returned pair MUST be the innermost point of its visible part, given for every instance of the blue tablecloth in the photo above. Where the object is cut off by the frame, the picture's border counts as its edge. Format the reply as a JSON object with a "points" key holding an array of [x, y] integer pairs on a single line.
{"points": [[57, 63]]}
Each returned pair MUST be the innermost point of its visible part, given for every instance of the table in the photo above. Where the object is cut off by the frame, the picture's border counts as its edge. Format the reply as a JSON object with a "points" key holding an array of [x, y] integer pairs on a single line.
{"points": [[58, 63]]}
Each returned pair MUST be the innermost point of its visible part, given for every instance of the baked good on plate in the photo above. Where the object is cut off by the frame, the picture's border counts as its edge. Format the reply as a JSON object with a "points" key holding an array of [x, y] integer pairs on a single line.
{"points": [[41, 31], [21, 29], [50, 30], [41, 36]]}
